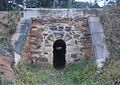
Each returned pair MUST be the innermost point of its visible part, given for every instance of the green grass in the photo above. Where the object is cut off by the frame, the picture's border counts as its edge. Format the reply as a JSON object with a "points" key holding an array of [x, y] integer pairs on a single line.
{"points": [[31, 75], [83, 73], [73, 74], [79, 74]]}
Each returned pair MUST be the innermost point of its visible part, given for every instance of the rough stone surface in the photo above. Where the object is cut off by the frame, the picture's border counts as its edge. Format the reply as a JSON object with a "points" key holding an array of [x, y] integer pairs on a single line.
{"points": [[40, 42], [49, 25]]}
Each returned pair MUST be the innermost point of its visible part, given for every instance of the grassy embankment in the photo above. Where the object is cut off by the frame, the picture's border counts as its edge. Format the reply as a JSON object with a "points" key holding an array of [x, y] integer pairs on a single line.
{"points": [[83, 73]]}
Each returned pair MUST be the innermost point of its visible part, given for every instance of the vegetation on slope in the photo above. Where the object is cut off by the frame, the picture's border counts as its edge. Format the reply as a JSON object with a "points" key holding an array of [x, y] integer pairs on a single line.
{"points": [[111, 25], [8, 24], [73, 74], [83, 73]]}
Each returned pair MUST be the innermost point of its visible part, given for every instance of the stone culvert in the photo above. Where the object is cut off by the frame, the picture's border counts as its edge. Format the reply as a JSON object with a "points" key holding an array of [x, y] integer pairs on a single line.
{"points": [[44, 33], [38, 36]]}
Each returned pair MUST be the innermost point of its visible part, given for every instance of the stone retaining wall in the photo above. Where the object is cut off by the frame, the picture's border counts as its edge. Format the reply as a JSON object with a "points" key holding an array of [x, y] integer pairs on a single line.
{"points": [[99, 46], [19, 38], [46, 26], [43, 34]]}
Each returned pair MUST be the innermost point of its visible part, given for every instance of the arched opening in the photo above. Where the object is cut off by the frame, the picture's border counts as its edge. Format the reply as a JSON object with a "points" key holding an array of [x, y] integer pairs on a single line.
{"points": [[59, 51]]}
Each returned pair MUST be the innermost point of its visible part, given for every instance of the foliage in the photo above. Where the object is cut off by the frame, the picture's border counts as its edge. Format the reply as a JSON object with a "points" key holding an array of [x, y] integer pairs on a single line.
{"points": [[31, 75], [4, 80], [95, 6], [112, 2], [47, 3], [59, 4], [3, 5], [118, 2], [5, 35], [8, 5], [80, 73], [19, 1], [81, 5], [111, 25], [83, 73], [110, 74]]}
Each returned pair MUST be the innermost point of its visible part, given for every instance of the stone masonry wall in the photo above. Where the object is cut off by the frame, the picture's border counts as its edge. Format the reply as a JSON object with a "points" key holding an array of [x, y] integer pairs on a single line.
{"points": [[43, 34]]}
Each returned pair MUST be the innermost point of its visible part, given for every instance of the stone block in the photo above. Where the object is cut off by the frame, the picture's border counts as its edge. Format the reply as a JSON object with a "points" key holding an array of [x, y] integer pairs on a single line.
{"points": [[41, 59], [60, 28], [35, 55]]}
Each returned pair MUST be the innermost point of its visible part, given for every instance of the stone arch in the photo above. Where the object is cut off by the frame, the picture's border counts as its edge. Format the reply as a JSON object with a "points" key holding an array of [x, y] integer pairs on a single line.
{"points": [[59, 51]]}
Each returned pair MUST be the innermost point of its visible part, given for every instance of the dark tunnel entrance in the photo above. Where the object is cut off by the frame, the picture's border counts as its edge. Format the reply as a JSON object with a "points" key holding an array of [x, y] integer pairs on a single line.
{"points": [[59, 51]]}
